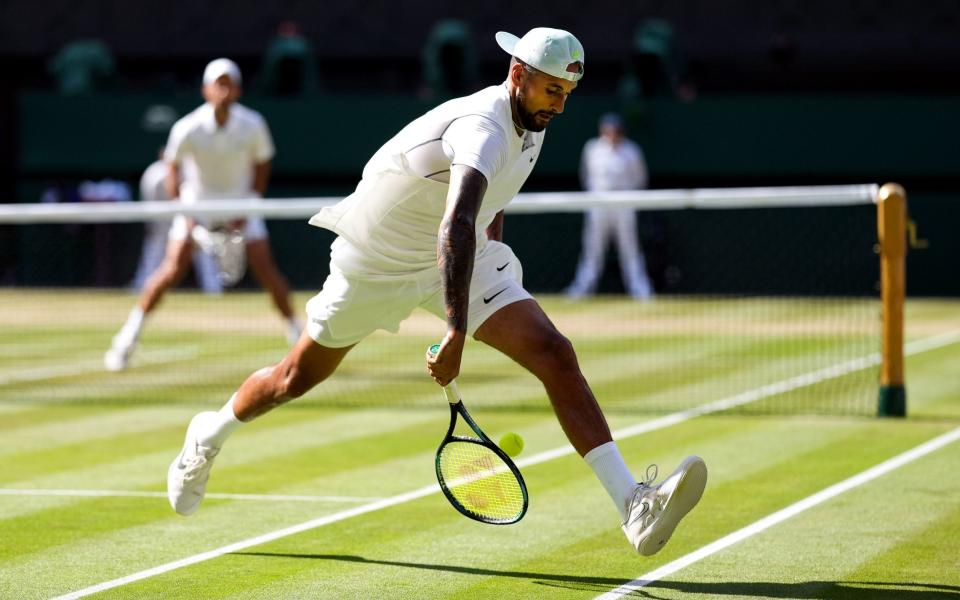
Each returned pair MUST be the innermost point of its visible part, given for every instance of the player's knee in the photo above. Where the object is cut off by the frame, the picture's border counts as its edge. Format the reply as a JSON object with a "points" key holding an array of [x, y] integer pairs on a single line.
{"points": [[557, 350], [172, 272]]}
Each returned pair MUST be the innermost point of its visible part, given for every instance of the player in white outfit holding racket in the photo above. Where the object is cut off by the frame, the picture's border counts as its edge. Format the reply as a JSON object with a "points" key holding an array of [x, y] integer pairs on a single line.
{"points": [[423, 228]]}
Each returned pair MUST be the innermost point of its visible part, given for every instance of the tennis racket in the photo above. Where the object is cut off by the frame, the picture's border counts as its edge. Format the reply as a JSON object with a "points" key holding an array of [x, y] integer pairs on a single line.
{"points": [[228, 249], [476, 476]]}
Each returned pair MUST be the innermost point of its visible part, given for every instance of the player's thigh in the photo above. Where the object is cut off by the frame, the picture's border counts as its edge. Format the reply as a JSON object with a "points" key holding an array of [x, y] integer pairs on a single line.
{"points": [[178, 255], [347, 309], [523, 332], [260, 258]]}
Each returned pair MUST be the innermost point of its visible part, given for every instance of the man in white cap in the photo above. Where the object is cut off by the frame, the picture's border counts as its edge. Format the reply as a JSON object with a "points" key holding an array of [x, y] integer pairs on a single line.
{"points": [[423, 228], [221, 150]]}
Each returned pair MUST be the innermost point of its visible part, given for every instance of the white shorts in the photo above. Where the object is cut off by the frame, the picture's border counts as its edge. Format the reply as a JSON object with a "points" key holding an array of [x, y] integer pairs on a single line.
{"points": [[348, 309], [254, 230]]}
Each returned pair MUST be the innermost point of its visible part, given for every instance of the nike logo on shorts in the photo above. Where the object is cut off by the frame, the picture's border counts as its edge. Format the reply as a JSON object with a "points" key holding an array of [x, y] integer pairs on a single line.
{"points": [[488, 300], [504, 266]]}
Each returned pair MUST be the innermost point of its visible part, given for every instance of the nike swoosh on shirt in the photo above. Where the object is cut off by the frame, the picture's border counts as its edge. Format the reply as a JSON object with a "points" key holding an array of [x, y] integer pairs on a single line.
{"points": [[487, 300], [504, 266]]}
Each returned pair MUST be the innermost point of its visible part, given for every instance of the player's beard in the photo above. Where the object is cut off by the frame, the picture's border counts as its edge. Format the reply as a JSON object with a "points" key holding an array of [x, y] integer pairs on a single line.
{"points": [[528, 120]]}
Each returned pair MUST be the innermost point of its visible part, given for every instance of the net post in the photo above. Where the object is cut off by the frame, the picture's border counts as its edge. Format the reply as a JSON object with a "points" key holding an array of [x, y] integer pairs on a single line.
{"points": [[891, 232]]}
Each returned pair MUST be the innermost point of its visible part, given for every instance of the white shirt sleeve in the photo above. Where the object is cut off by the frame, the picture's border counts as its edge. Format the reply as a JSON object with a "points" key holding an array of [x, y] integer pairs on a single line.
{"points": [[263, 149], [177, 143], [477, 142]]}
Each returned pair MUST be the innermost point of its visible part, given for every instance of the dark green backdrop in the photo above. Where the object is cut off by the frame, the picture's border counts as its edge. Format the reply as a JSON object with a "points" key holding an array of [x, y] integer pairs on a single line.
{"points": [[323, 143]]}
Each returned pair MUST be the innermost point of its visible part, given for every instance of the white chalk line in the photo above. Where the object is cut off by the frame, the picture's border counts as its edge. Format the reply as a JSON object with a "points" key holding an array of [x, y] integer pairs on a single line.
{"points": [[212, 495]]}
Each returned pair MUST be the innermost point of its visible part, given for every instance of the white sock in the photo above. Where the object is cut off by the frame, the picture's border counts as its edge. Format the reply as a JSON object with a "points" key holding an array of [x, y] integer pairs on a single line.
{"points": [[607, 463], [220, 425], [131, 329]]}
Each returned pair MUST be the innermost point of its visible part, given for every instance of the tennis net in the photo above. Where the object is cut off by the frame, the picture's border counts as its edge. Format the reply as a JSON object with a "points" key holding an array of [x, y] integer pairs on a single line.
{"points": [[766, 296]]}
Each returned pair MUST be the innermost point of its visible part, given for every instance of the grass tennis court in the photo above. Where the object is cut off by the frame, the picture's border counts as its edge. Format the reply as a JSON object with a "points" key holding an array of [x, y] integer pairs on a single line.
{"points": [[85, 455]]}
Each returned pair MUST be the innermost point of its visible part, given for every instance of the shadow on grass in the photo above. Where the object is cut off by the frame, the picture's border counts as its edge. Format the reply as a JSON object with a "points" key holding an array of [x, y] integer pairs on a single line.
{"points": [[813, 590], [804, 590]]}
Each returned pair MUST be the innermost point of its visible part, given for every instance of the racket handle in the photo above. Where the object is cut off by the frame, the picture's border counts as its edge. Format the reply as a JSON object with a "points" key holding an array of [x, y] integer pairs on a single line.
{"points": [[452, 392]]}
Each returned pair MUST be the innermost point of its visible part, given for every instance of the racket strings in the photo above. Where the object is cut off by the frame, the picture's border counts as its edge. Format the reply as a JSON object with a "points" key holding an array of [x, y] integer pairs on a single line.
{"points": [[480, 481]]}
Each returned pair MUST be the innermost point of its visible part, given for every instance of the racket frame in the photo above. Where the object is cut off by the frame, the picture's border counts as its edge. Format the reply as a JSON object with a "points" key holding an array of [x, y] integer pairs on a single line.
{"points": [[452, 394]]}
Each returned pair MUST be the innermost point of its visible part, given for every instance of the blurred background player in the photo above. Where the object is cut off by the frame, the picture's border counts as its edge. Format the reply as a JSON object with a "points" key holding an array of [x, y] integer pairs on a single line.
{"points": [[611, 162], [223, 150], [153, 188]]}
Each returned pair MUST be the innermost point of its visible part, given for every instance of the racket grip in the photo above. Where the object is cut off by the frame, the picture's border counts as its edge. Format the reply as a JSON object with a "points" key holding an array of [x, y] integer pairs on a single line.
{"points": [[452, 392]]}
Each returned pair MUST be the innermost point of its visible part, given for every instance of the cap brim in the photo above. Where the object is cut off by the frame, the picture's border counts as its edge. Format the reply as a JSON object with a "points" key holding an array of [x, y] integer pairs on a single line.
{"points": [[507, 41]]}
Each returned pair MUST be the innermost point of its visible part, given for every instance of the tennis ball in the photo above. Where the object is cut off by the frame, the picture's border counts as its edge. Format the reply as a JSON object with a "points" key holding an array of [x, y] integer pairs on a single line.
{"points": [[511, 443]]}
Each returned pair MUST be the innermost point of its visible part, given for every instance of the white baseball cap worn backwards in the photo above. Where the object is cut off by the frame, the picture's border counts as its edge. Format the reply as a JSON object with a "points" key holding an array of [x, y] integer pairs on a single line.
{"points": [[554, 51], [220, 67]]}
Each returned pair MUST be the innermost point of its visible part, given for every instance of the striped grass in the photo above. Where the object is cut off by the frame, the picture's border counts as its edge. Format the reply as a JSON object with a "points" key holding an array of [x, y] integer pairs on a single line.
{"points": [[90, 430]]}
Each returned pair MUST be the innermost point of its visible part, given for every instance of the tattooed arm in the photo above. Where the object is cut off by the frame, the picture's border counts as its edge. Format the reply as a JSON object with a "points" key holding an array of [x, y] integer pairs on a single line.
{"points": [[456, 246]]}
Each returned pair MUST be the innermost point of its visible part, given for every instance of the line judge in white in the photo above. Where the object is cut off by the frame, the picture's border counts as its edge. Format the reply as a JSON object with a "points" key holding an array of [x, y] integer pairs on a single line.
{"points": [[611, 162], [423, 228], [221, 150]]}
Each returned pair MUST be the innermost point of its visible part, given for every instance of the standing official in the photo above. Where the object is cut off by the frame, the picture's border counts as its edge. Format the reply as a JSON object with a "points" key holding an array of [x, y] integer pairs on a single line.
{"points": [[611, 162]]}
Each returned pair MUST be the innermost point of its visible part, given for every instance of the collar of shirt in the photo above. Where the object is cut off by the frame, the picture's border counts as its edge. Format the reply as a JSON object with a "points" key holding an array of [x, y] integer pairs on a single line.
{"points": [[208, 119]]}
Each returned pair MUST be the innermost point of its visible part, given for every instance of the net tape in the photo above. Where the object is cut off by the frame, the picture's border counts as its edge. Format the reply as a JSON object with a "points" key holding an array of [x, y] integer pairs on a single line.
{"points": [[293, 208]]}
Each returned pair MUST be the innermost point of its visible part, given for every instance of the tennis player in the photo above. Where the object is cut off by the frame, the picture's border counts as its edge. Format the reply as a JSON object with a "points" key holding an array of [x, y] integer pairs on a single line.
{"points": [[220, 150], [423, 228]]}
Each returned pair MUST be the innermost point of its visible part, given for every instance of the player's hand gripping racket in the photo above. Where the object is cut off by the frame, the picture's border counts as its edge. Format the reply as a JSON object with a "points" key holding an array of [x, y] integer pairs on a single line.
{"points": [[476, 476]]}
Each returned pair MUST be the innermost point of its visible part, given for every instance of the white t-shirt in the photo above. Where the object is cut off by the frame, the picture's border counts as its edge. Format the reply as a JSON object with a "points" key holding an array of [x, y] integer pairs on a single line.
{"points": [[389, 225], [605, 166], [218, 161]]}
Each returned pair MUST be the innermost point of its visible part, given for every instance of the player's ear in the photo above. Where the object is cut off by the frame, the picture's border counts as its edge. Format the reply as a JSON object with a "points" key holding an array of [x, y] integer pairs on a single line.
{"points": [[517, 73]]}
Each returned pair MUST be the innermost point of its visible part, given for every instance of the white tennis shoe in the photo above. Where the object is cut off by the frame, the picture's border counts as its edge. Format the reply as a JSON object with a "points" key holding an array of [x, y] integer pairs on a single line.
{"points": [[117, 358], [189, 471], [655, 510]]}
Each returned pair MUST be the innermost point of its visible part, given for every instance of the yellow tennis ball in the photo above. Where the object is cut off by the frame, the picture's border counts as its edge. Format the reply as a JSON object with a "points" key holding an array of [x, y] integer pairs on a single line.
{"points": [[511, 443]]}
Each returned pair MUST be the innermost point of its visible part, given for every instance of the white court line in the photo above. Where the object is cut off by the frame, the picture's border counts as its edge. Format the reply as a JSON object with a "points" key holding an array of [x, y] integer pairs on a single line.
{"points": [[663, 422], [214, 495], [88, 367], [784, 514]]}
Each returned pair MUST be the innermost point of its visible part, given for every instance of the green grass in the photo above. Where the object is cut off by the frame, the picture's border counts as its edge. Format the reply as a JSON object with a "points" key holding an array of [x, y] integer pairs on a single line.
{"points": [[371, 433]]}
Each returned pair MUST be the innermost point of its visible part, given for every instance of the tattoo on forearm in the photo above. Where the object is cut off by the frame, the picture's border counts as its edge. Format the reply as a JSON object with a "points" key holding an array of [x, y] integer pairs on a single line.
{"points": [[456, 248]]}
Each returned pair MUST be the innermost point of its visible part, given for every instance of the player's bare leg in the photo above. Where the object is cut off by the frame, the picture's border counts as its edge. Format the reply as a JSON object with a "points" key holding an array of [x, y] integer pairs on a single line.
{"points": [[265, 271], [524, 333], [307, 364], [649, 512], [171, 271], [175, 263]]}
